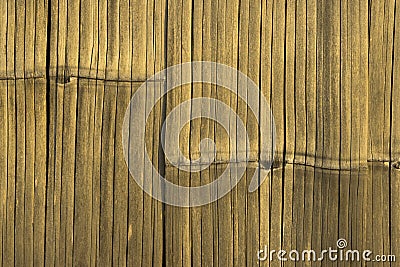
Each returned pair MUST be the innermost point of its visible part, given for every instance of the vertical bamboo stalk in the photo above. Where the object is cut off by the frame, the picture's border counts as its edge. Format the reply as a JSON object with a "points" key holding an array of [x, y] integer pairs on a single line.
{"points": [[300, 76], [138, 72], [40, 172], [395, 216], [265, 87], [67, 195], [107, 175], [19, 70], [196, 135], [376, 78], [278, 78], [3, 161], [290, 95], [8, 243], [207, 131], [240, 195], [85, 126], [395, 134], [83, 172], [311, 81]]}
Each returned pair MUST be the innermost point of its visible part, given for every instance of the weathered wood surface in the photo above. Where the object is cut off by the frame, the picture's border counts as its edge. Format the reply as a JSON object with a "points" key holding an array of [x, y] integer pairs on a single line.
{"points": [[329, 69]]}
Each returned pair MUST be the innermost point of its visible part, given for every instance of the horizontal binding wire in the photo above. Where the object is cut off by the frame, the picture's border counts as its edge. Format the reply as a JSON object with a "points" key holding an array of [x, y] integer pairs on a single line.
{"points": [[67, 79], [13, 78]]}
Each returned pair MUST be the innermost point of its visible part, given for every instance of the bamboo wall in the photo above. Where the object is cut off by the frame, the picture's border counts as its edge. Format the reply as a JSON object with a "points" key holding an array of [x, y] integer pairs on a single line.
{"points": [[329, 69]]}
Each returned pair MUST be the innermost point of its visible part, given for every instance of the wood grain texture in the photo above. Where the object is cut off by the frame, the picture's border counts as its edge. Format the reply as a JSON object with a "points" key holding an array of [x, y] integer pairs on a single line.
{"points": [[68, 69], [23, 31], [40, 173], [67, 177], [84, 169], [395, 216], [300, 77], [395, 133], [4, 160], [380, 75], [3, 39]]}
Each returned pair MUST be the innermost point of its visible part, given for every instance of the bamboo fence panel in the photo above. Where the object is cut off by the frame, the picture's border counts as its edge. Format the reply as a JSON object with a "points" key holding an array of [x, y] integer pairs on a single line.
{"points": [[68, 69]]}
